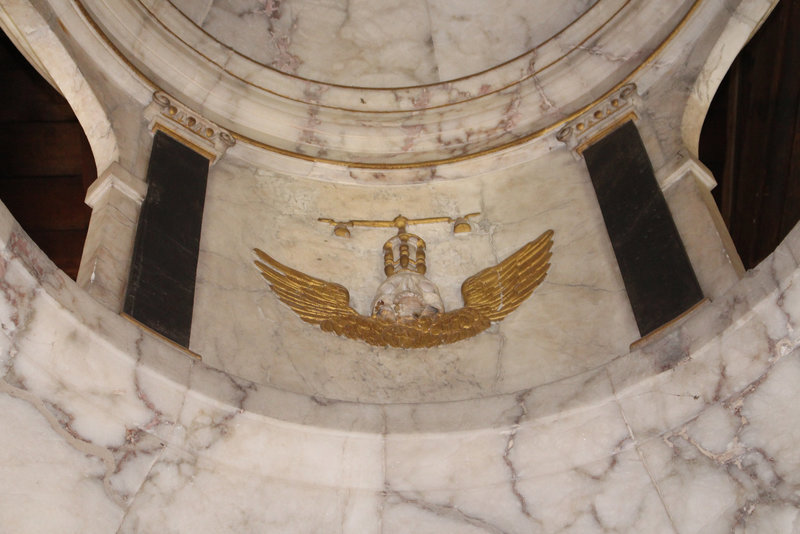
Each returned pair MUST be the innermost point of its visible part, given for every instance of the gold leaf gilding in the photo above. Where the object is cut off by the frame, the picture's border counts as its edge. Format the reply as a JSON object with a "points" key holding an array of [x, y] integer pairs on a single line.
{"points": [[489, 296]]}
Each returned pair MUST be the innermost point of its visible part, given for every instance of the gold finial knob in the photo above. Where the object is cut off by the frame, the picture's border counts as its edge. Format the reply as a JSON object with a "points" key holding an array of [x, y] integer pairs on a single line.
{"points": [[341, 230], [461, 226]]}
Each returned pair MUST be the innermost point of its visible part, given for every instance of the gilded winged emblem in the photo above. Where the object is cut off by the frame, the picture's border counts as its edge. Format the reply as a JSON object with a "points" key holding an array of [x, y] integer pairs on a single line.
{"points": [[407, 311]]}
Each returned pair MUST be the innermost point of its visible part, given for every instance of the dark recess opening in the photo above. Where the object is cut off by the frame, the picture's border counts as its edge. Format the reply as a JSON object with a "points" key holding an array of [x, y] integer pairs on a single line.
{"points": [[751, 137], [45, 161]]}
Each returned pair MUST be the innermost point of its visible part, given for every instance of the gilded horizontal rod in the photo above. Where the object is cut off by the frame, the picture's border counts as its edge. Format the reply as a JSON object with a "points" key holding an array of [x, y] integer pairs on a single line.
{"points": [[394, 223]]}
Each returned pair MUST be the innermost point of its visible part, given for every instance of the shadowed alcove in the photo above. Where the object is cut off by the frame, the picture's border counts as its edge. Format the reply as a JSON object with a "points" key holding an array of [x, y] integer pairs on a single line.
{"points": [[751, 138], [47, 163]]}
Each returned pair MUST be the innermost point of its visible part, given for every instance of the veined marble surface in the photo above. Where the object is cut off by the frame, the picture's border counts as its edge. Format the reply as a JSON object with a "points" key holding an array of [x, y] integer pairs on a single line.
{"points": [[578, 319], [675, 51], [382, 43], [106, 429], [143, 45], [415, 125]]}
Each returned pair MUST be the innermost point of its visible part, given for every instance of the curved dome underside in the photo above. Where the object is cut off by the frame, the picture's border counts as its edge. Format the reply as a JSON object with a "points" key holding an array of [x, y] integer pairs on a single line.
{"points": [[382, 43], [547, 73]]}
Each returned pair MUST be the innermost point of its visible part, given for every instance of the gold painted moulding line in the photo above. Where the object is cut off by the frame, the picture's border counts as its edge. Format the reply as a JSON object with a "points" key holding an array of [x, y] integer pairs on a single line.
{"points": [[162, 337], [399, 88], [411, 87], [427, 163], [586, 143], [182, 139], [667, 327]]}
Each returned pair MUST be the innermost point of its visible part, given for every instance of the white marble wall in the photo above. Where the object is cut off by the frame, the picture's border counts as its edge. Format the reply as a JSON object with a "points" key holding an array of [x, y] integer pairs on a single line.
{"points": [[106, 429], [577, 320]]}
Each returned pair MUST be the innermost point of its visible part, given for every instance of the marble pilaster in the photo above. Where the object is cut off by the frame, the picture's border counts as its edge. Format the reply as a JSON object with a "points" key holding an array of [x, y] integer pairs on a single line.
{"points": [[115, 198], [687, 190]]}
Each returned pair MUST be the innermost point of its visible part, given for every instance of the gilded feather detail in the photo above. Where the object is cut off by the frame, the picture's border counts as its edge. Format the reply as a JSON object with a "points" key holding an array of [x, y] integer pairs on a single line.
{"points": [[489, 296]]}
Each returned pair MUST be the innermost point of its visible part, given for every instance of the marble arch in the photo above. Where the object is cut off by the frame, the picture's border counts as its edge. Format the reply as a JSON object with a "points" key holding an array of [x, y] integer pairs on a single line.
{"points": [[42, 47], [733, 38]]}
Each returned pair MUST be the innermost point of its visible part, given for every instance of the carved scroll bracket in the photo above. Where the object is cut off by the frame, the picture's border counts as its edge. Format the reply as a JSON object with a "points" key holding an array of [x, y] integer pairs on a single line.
{"points": [[190, 128], [590, 126]]}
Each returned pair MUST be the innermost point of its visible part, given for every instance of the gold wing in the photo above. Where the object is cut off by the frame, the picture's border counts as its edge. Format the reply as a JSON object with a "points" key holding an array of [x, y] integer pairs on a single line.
{"points": [[328, 305], [489, 296], [314, 300], [497, 291], [441, 329]]}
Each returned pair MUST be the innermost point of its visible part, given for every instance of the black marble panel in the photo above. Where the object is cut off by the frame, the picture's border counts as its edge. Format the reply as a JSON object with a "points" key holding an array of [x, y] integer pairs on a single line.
{"points": [[658, 276], [160, 290]]}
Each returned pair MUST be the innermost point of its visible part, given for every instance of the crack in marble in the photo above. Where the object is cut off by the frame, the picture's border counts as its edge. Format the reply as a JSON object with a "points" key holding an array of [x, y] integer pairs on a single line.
{"points": [[413, 132], [445, 510], [751, 468], [547, 104], [600, 52], [521, 399], [780, 302], [385, 492], [18, 299], [158, 458], [582, 286], [431, 44], [511, 113], [309, 131], [640, 454], [158, 416], [217, 427], [498, 372]]}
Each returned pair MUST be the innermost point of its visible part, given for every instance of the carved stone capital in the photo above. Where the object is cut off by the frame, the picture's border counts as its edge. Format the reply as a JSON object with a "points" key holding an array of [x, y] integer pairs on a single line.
{"points": [[187, 126], [603, 117]]}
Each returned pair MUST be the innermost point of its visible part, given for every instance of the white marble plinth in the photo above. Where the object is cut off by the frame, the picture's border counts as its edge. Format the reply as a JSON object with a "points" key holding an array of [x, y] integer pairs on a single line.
{"points": [[104, 428]]}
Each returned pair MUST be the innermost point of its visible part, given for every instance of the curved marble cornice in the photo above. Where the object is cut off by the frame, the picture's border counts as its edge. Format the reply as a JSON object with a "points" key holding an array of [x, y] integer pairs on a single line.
{"points": [[412, 126], [383, 44], [66, 313]]}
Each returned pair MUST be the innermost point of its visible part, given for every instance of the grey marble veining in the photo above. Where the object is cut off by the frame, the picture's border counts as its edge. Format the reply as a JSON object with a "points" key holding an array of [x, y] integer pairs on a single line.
{"points": [[540, 425], [382, 44], [122, 428]]}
